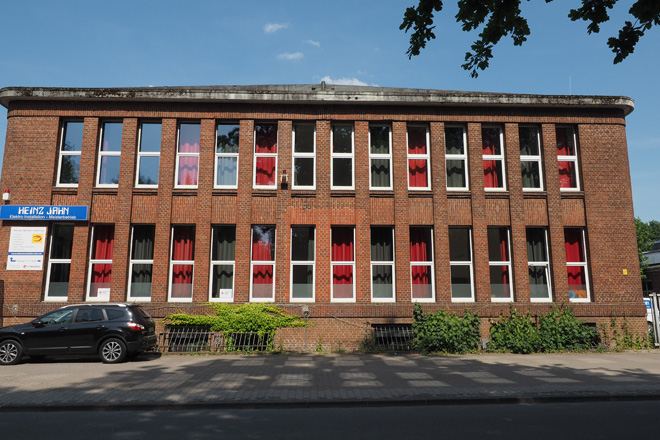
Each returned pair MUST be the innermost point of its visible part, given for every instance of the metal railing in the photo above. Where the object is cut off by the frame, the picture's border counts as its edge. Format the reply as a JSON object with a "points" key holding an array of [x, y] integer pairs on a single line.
{"points": [[388, 337], [186, 339]]}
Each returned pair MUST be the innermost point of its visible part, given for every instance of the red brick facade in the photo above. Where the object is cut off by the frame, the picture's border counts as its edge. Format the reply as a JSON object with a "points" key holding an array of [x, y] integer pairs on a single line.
{"points": [[603, 206]]}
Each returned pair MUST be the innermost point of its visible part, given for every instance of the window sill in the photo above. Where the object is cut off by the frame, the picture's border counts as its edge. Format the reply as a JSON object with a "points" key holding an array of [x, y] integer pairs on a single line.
{"points": [[420, 195]]}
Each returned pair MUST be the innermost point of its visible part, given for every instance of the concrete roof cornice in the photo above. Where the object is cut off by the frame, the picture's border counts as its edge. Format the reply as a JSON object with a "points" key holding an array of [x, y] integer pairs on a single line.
{"points": [[314, 94]]}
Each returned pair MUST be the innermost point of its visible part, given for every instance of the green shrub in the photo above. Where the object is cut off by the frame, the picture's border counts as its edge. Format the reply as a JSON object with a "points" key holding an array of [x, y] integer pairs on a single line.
{"points": [[516, 333], [442, 332], [559, 330]]}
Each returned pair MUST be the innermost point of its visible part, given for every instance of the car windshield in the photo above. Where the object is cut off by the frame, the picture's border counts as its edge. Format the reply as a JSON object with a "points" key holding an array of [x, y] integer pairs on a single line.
{"points": [[62, 316]]}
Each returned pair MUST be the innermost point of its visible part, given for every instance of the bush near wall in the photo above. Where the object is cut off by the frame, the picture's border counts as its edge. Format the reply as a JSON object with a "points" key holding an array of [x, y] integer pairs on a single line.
{"points": [[443, 332]]}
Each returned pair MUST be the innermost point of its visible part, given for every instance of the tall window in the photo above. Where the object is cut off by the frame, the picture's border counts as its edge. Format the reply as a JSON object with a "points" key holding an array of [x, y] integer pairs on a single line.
{"points": [[265, 156], [68, 169], [576, 265], [418, 157], [59, 263], [380, 156], [142, 262], [492, 142], [343, 263], [421, 263], [302, 263], [342, 157], [148, 161], [382, 263], [460, 262], [538, 261], [100, 267], [530, 158], [187, 154], [456, 158], [304, 156], [182, 263], [226, 155], [499, 260], [109, 154], [569, 178], [263, 264], [223, 256]]}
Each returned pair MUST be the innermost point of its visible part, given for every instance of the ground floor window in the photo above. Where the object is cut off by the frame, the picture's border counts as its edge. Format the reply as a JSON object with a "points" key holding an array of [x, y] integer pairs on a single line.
{"points": [[539, 264], [382, 264], [59, 262], [142, 262], [421, 263], [182, 263], [100, 267], [460, 262], [343, 263], [576, 265], [263, 264], [223, 256], [302, 263], [499, 260]]}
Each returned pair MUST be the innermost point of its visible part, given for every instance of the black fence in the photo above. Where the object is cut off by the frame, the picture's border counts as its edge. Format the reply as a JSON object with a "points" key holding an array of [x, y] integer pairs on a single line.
{"points": [[193, 339]]}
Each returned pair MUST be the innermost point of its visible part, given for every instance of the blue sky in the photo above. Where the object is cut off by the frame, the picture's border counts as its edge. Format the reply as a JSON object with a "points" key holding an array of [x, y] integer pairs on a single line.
{"points": [[172, 43]]}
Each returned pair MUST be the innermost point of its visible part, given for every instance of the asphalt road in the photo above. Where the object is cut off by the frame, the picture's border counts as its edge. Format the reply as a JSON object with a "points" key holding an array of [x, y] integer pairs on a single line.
{"points": [[592, 420]]}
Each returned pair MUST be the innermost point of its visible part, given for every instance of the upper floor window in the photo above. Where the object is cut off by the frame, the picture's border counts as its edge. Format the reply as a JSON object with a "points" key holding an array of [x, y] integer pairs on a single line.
{"points": [[265, 156], [538, 260], [342, 166], [461, 263], [302, 263], [492, 141], [382, 263], [576, 265], [142, 262], [569, 177], [499, 260], [530, 158], [68, 170], [456, 158], [343, 263], [262, 282], [226, 155], [421, 263], [380, 156], [100, 263], [187, 154], [418, 157], [304, 156], [109, 154], [182, 263], [223, 256], [148, 161]]}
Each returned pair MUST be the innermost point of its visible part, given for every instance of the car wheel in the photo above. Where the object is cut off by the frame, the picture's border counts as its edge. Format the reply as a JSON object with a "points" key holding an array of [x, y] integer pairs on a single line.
{"points": [[11, 352], [112, 351]]}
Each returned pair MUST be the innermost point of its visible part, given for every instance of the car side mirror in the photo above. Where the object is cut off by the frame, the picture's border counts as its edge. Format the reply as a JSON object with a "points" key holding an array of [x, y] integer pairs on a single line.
{"points": [[38, 323]]}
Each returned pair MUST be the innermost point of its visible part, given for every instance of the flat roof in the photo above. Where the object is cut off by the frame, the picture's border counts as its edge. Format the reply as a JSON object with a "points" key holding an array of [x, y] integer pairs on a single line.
{"points": [[314, 94]]}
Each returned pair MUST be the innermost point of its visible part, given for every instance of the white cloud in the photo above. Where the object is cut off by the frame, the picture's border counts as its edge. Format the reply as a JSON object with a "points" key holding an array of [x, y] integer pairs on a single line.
{"points": [[290, 56], [345, 81], [313, 43], [274, 27]]}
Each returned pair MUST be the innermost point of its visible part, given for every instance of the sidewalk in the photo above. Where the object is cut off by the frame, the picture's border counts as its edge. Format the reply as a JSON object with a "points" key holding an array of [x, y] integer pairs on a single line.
{"points": [[306, 380]]}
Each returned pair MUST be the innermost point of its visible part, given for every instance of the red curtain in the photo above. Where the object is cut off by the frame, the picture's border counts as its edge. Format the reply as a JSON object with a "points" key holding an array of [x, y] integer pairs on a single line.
{"points": [[566, 175], [418, 170], [263, 244], [574, 245], [266, 138], [492, 178], [184, 243], [564, 147], [262, 274], [420, 244], [421, 275], [188, 165], [342, 250], [265, 170], [417, 141], [104, 239]]}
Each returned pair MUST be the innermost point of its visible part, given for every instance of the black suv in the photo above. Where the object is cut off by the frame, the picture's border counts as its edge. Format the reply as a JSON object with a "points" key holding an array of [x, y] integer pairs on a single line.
{"points": [[113, 331]]}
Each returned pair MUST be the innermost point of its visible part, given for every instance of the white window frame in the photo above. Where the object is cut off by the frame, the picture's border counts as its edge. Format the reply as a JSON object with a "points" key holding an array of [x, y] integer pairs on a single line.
{"points": [[380, 156], [495, 157], [350, 156], [469, 264], [462, 157], [103, 154], [506, 264], [431, 264], [141, 154], [303, 263], [424, 156], [534, 158], [262, 263], [543, 264], [341, 263], [171, 272], [383, 263], [67, 153], [257, 155], [296, 155], [224, 155], [214, 263], [130, 269], [52, 261], [92, 262], [584, 264], [570, 158], [180, 154]]}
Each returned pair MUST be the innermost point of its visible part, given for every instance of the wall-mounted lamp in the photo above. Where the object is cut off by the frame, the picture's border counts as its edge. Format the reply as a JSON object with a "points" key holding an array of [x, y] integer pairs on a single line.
{"points": [[6, 196], [285, 177]]}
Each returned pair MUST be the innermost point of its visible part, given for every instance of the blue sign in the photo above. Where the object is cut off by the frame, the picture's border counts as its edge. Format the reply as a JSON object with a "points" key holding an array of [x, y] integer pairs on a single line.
{"points": [[48, 212], [647, 301]]}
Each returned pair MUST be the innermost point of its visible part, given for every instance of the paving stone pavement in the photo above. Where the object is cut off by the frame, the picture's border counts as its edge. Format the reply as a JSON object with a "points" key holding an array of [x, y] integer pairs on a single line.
{"points": [[172, 381]]}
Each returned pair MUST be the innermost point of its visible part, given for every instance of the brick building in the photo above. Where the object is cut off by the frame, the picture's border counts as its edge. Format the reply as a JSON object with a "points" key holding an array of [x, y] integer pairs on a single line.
{"points": [[351, 203]]}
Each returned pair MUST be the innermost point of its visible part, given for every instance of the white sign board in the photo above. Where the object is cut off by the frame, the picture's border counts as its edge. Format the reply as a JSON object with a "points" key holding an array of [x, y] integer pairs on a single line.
{"points": [[26, 248]]}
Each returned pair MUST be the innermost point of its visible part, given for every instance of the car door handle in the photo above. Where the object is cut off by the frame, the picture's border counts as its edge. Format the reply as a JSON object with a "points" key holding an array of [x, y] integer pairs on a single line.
{"points": [[100, 327]]}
